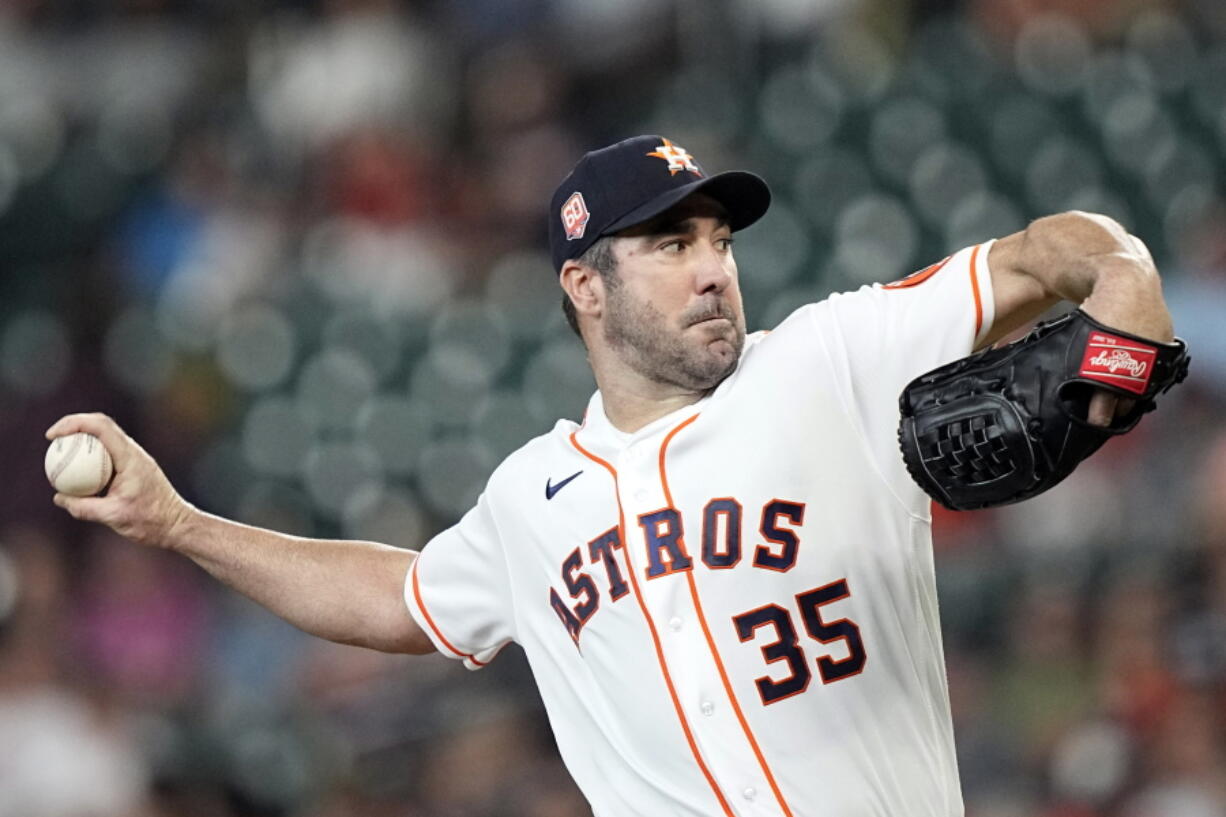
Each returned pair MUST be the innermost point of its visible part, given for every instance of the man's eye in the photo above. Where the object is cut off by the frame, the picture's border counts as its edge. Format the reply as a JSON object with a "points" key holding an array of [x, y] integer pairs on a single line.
{"points": [[674, 246], [725, 244]]}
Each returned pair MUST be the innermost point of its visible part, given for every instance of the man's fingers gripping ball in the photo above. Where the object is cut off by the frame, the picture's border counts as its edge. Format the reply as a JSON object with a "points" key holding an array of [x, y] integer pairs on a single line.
{"points": [[114, 440], [85, 508], [78, 465], [140, 503]]}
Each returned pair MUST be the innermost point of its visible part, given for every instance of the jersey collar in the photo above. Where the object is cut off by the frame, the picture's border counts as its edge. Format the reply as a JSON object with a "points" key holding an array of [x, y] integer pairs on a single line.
{"points": [[601, 436], [598, 431]]}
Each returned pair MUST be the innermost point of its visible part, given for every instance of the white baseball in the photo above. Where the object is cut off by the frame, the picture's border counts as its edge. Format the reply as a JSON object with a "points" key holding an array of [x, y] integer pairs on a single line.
{"points": [[78, 464]]}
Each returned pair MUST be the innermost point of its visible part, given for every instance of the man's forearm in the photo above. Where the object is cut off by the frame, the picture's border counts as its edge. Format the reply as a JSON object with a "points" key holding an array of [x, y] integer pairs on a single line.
{"points": [[1089, 260], [351, 592], [345, 591], [1093, 261]]}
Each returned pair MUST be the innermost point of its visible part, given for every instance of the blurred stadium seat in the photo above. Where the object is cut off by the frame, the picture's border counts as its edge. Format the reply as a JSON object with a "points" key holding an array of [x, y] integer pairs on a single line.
{"points": [[297, 250]]}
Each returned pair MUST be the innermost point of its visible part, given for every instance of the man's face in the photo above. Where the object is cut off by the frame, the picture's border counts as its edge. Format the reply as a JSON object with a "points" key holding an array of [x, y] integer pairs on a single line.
{"points": [[673, 310]]}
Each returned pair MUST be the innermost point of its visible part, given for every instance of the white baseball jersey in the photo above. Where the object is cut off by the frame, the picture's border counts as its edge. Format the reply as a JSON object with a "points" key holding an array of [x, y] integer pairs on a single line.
{"points": [[732, 611]]}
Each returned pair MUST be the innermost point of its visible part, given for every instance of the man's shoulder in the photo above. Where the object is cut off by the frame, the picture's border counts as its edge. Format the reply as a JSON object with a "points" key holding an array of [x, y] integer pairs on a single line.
{"points": [[834, 310], [814, 305], [802, 335], [534, 456], [795, 324]]}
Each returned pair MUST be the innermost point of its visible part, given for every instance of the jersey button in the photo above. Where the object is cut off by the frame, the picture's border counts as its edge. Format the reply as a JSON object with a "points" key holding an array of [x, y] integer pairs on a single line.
{"points": [[640, 495], [749, 793], [675, 623], [707, 708]]}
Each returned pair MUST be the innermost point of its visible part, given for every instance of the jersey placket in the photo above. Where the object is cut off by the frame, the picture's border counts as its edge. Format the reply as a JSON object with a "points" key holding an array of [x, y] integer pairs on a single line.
{"points": [[671, 601]]}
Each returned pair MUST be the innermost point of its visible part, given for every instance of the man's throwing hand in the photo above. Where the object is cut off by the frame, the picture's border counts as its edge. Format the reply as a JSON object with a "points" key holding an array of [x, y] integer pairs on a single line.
{"points": [[140, 504]]}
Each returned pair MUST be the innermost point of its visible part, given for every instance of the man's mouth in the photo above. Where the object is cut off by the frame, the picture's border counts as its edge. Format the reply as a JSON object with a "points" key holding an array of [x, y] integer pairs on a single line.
{"points": [[719, 314]]}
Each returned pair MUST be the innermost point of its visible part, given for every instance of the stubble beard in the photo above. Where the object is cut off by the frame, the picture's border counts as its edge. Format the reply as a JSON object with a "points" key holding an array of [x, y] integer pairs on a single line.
{"points": [[691, 360]]}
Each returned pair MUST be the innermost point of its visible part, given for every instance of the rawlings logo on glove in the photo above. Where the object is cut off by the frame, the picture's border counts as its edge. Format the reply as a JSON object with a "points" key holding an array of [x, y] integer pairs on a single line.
{"points": [[1108, 355], [1006, 424]]}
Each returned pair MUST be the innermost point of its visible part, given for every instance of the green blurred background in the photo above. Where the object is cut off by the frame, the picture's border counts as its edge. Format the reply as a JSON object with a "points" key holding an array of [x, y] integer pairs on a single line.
{"points": [[298, 250]]}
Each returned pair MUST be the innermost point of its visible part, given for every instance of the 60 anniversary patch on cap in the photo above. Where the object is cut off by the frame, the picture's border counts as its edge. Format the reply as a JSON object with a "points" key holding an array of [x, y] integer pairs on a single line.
{"points": [[627, 183]]}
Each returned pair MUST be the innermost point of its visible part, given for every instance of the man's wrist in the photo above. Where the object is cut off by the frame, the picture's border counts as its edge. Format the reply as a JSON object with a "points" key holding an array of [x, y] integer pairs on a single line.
{"points": [[183, 527], [1127, 295]]}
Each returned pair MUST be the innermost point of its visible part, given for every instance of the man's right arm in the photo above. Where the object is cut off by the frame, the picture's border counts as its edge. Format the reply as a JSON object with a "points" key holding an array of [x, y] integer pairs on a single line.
{"points": [[346, 591]]}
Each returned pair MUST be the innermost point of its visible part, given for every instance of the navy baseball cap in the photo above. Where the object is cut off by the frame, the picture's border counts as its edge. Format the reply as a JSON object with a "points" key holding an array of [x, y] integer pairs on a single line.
{"points": [[627, 183]]}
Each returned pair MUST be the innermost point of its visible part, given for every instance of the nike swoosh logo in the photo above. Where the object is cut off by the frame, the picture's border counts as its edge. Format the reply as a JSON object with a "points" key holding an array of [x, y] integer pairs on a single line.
{"points": [[550, 489]]}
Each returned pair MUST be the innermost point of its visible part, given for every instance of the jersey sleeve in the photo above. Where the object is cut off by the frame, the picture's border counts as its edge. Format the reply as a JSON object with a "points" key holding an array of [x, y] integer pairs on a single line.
{"points": [[881, 337], [458, 589]]}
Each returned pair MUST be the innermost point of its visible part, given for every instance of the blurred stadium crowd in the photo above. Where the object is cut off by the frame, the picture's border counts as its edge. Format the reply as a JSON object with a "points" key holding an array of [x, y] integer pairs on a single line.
{"points": [[297, 250]]}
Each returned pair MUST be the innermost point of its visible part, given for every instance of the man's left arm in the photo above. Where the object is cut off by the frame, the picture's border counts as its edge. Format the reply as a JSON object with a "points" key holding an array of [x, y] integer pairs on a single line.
{"points": [[1084, 258]]}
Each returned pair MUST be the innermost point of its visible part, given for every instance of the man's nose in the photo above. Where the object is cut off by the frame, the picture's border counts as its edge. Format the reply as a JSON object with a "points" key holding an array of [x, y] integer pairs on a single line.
{"points": [[714, 270]]}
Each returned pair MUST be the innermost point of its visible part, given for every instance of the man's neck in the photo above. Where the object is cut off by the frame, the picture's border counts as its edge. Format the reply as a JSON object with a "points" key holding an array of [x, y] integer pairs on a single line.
{"points": [[632, 400], [629, 408]]}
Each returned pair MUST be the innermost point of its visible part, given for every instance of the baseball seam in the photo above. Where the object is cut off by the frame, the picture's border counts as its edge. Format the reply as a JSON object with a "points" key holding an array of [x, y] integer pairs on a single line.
{"points": [[103, 466], [64, 462]]}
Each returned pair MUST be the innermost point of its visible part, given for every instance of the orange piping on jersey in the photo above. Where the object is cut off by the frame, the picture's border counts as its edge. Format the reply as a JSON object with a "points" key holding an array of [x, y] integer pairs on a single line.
{"points": [[975, 289], [706, 631], [655, 637], [916, 278], [433, 626]]}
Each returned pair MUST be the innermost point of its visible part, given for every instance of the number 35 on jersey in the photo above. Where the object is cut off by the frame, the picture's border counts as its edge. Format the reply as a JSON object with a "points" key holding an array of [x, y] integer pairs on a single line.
{"points": [[721, 537]]}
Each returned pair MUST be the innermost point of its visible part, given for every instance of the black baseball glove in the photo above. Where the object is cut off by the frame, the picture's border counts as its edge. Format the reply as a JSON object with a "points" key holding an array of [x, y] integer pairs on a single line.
{"points": [[1006, 424]]}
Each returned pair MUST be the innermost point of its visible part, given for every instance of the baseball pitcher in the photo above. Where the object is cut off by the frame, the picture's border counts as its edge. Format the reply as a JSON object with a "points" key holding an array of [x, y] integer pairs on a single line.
{"points": [[723, 576]]}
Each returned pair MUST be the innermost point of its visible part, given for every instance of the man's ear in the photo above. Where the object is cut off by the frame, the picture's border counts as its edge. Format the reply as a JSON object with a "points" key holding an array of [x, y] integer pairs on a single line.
{"points": [[584, 286]]}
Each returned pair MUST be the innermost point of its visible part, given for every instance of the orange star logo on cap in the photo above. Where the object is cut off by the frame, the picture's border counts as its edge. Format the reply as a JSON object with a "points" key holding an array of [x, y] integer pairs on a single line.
{"points": [[678, 158]]}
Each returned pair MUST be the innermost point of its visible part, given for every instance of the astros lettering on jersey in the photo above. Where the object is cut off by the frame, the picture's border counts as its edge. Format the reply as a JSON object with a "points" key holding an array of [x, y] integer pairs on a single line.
{"points": [[727, 612]]}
